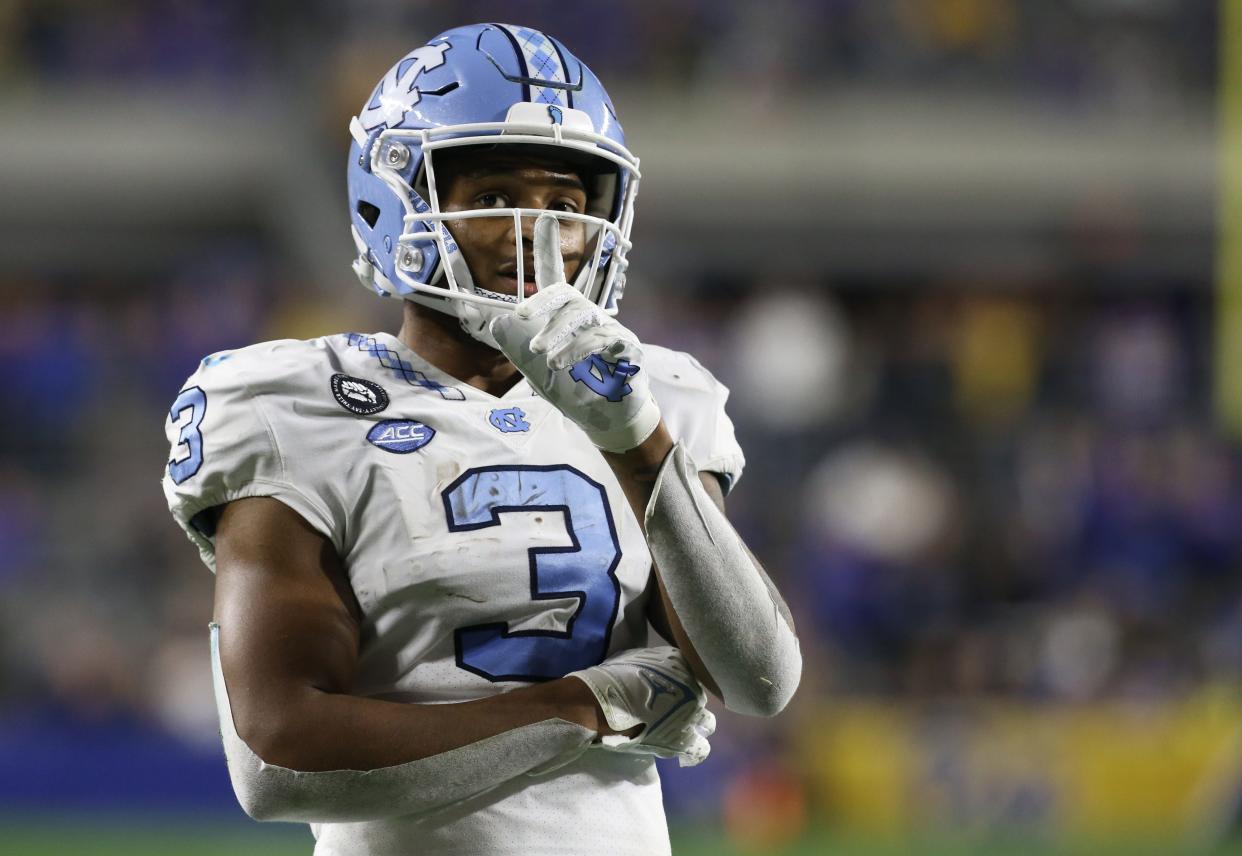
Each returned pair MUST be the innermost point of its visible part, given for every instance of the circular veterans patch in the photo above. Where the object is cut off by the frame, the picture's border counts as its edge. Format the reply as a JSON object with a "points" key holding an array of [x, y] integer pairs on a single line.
{"points": [[357, 395]]}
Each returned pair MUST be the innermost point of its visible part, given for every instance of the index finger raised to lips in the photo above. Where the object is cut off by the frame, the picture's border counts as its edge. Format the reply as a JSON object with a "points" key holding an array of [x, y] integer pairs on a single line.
{"points": [[549, 267]]}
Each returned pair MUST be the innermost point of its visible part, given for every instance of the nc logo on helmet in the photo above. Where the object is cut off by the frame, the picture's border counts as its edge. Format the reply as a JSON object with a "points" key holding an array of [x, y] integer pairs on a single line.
{"points": [[396, 94]]}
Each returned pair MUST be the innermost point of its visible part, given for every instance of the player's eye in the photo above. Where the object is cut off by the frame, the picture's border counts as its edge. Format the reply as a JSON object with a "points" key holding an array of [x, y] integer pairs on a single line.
{"points": [[567, 205], [492, 200]]}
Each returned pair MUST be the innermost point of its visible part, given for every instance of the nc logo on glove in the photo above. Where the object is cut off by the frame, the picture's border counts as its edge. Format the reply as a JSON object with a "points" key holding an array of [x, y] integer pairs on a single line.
{"points": [[604, 378], [577, 358]]}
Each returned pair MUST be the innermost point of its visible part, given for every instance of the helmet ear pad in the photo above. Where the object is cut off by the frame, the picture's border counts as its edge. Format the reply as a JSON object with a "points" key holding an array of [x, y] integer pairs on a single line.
{"points": [[378, 215]]}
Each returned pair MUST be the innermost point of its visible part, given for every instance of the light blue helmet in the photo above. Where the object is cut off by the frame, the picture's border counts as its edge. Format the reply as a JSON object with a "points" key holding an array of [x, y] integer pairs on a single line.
{"points": [[481, 84]]}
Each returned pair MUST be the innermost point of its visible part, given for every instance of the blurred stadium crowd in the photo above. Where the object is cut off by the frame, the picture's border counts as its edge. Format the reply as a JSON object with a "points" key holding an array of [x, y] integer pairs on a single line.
{"points": [[1094, 52], [1002, 488]]}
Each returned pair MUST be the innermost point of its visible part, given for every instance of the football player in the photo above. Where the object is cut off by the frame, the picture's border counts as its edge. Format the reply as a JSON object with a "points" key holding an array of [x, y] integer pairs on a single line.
{"points": [[438, 553]]}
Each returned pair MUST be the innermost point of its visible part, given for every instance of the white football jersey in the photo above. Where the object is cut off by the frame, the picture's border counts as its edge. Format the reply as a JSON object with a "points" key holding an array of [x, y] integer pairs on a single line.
{"points": [[486, 540]]}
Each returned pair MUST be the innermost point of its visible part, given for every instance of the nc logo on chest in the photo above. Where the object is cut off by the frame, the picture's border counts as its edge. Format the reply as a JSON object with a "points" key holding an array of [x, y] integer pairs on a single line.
{"points": [[509, 420], [400, 436]]}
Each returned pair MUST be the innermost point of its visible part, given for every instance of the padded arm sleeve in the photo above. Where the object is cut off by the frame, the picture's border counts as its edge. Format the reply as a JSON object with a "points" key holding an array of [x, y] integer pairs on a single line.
{"points": [[269, 792], [731, 611]]}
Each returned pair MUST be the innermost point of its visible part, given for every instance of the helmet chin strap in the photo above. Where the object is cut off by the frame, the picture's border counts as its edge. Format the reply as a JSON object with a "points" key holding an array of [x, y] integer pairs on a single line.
{"points": [[475, 318], [477, 321]]}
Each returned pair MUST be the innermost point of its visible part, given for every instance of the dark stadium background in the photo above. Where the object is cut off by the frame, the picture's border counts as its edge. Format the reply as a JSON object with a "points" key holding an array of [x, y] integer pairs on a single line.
{"points": [[970, 267]]}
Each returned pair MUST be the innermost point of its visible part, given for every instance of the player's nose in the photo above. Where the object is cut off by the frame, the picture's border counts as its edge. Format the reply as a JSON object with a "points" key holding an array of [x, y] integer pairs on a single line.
{"points": [[528, 234], [570, 243], [528, 241]]}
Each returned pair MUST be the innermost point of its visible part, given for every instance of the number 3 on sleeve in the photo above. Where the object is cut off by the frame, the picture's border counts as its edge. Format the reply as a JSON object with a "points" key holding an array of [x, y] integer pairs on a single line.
{"points": [[188, 453]]}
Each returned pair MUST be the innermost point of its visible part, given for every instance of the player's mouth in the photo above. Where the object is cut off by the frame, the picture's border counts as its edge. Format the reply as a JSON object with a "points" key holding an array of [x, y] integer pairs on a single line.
{"points": [[506, 281], [503, 285]]}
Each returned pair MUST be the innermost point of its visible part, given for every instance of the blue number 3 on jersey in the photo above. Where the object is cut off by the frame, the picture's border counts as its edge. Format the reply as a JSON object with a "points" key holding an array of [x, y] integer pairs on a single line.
{"points": [[185, 465], [585, 570]]}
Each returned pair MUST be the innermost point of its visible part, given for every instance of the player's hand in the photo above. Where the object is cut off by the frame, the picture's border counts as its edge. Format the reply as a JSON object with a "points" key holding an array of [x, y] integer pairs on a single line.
{"points": [[652, 688], [584, 362]]}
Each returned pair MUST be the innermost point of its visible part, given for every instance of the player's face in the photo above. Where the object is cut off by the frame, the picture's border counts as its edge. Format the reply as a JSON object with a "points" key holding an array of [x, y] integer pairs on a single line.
{"points": [[511, 181]]}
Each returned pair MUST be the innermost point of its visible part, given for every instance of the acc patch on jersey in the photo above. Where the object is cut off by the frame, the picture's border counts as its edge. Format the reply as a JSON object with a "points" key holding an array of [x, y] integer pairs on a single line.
{"points": [[358, 395], [400, 436]]}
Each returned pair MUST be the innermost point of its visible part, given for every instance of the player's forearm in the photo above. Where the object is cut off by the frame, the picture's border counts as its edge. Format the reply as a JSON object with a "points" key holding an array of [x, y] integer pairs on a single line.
{"points": [[636, 471], [323, 757], [310, 730], [717, 596]]}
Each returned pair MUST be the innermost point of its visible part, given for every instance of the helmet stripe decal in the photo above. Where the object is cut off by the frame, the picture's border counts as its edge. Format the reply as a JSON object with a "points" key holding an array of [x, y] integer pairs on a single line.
{"points": [[569, 93], [542, 61], [524, 77]]}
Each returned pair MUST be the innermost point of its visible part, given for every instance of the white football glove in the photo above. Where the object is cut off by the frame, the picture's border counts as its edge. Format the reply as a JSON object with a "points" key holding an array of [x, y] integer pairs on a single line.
{"points": [[652, 687], [584, 362]]}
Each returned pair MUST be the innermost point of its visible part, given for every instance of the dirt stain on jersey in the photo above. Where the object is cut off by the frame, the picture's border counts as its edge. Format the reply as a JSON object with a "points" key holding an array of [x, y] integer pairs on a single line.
{"points": [[446, 472]]}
